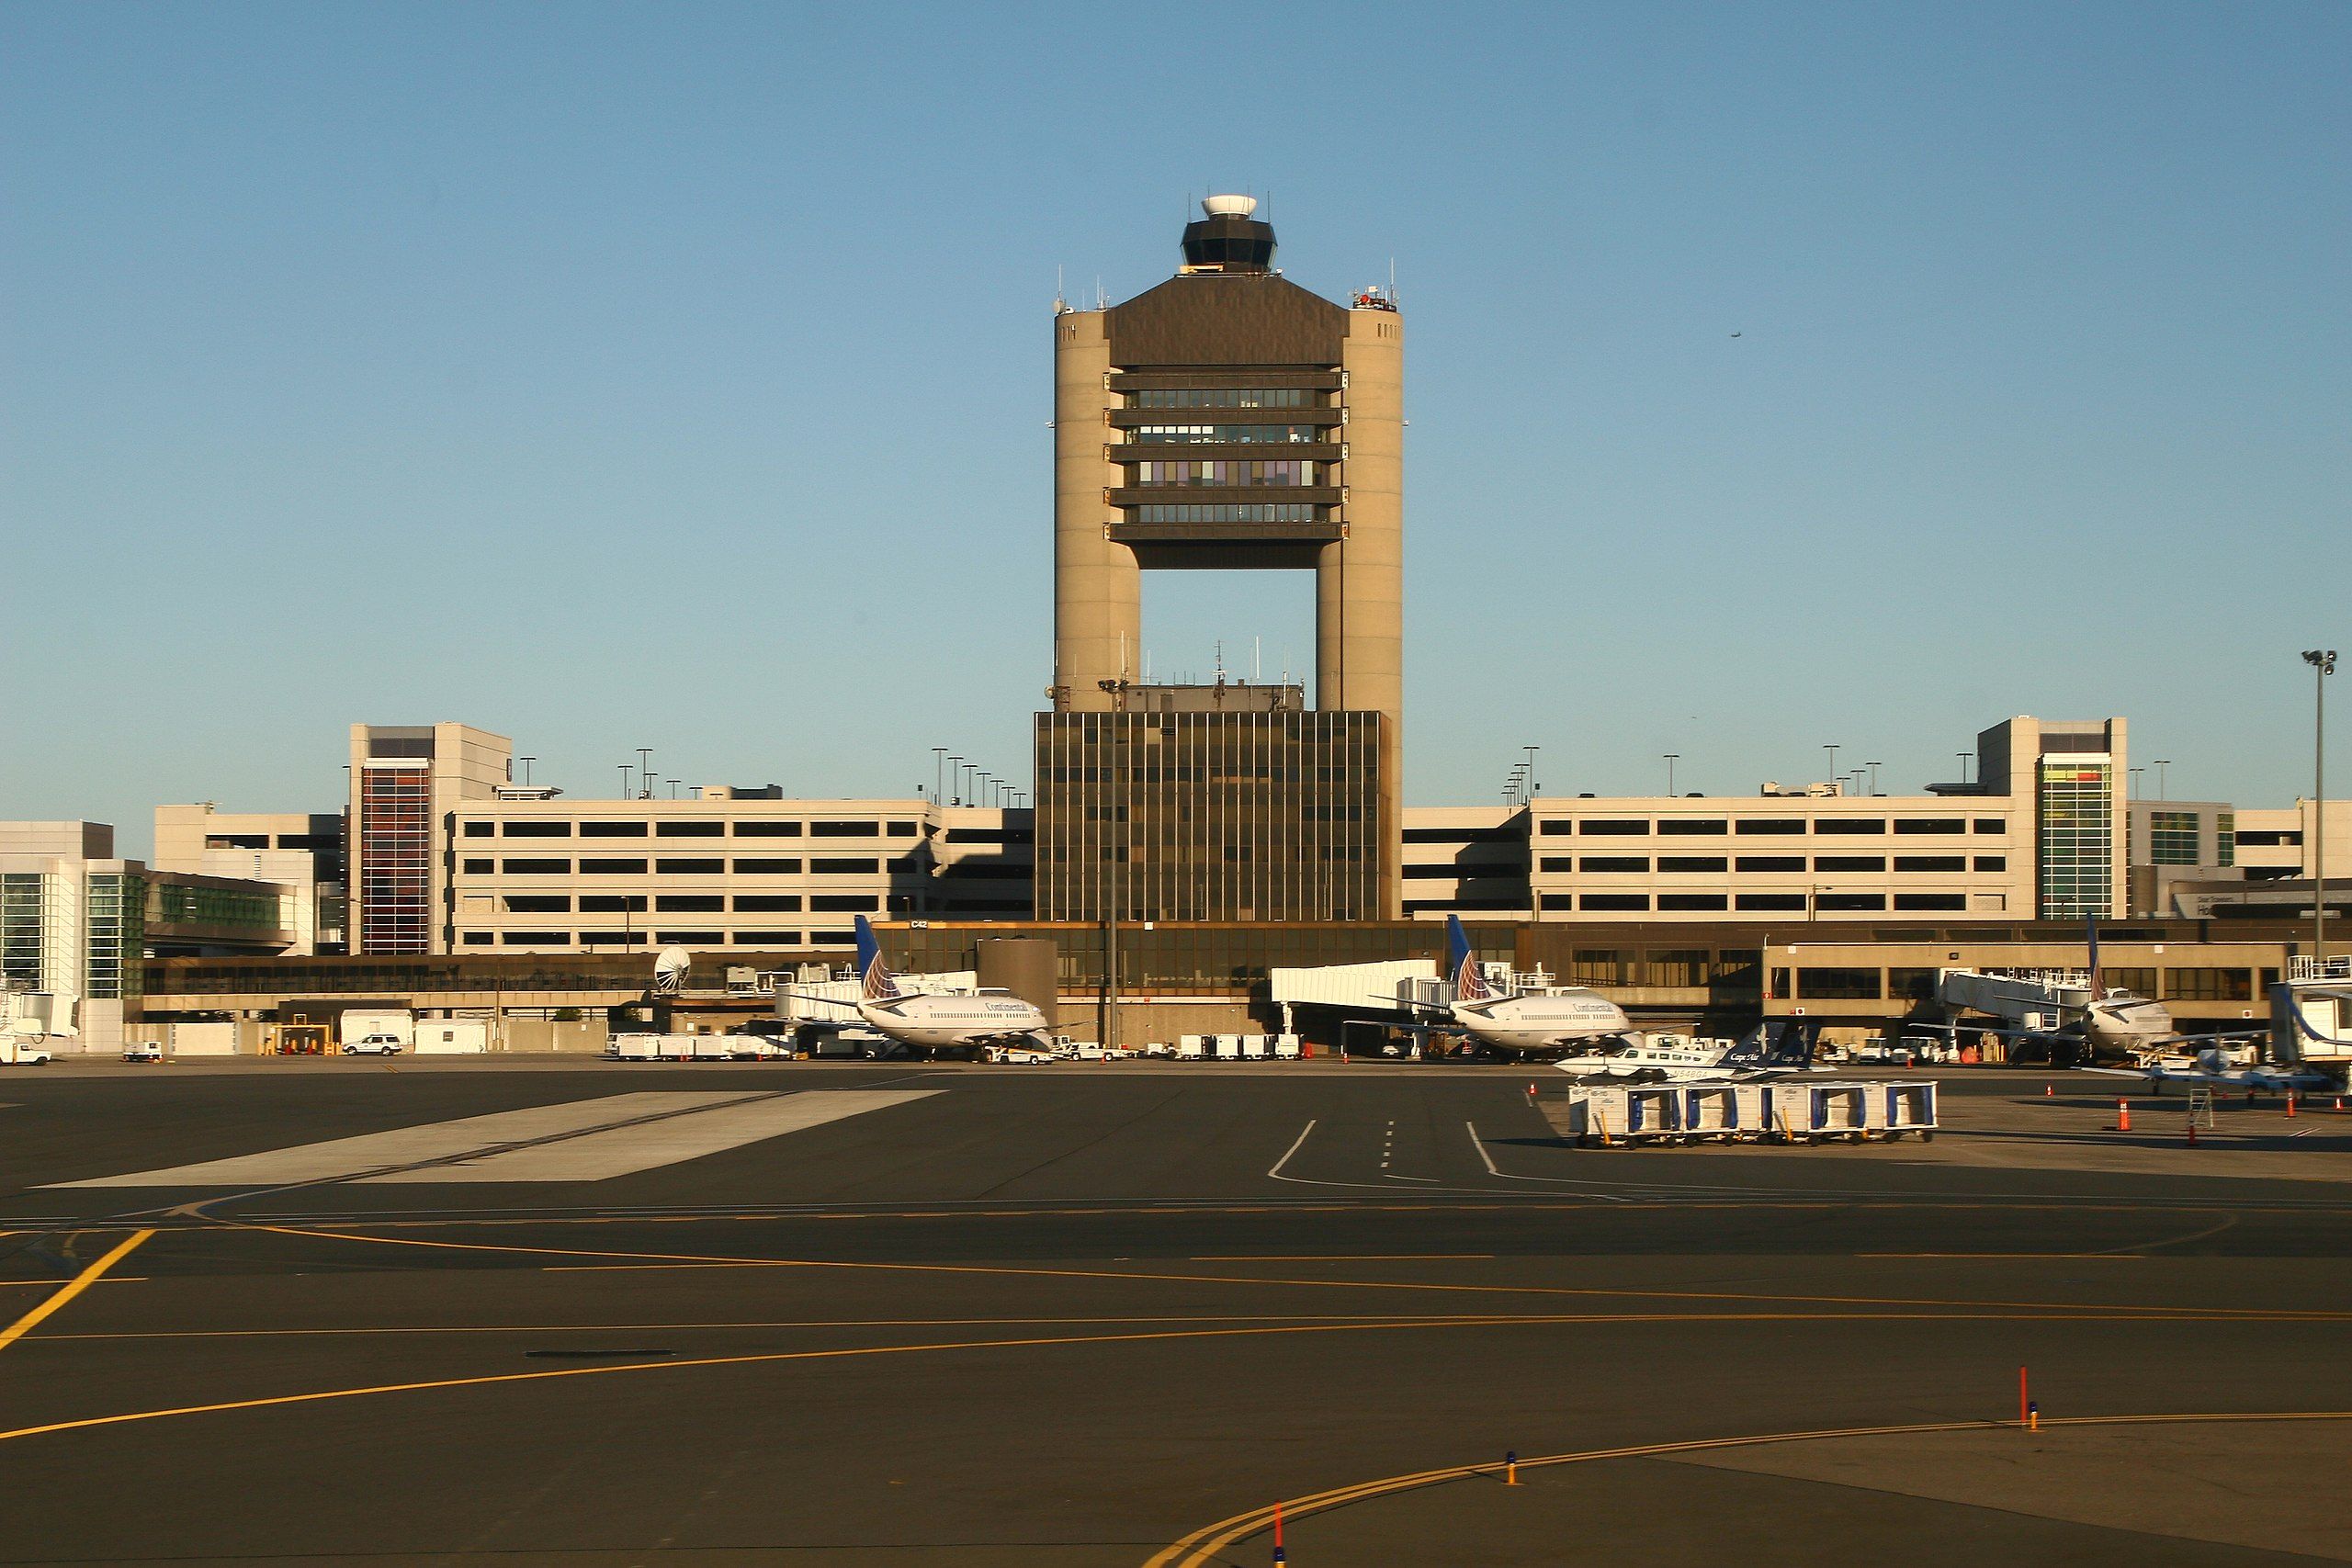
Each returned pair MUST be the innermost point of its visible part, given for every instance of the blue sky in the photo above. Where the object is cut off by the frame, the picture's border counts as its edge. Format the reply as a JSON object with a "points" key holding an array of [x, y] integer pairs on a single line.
{"points": [[677, 375]]}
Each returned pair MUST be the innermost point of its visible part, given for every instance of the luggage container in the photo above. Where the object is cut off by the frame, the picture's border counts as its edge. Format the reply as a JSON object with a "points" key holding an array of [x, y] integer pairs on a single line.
{"points": [[635, 1048], [1711, 1111], [1595, 1114], [1654, 1112], [1191, 1047], [1253, 1047], [1225, 1047], [1790, 1109], [1909, 1108], [1842, 1110], [1755, 1110], [1286, 1047]]}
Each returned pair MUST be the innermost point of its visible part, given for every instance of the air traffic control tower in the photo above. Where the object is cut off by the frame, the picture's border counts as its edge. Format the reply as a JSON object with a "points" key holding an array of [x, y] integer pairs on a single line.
{"points": [[1227, 418]]}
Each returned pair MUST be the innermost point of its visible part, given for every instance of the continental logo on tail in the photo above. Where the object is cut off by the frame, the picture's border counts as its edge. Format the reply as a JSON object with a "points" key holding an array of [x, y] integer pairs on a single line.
{"points": [[1469, 980], [880, 984]]}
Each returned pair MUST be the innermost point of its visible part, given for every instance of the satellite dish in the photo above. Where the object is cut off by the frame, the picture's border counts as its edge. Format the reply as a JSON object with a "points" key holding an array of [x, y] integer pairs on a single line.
{"points": [[670, 966], [1228, 206]]}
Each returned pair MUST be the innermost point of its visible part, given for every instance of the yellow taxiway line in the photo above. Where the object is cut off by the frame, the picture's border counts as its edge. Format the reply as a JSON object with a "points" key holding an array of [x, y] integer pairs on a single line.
{"points": [[1204, 1546], [72, 1288]]}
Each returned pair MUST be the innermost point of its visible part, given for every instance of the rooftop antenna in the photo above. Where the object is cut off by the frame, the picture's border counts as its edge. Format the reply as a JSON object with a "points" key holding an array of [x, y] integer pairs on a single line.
{"points": [[1060, 303], [1102, 301], [1392, 280], [1220, 662], [1257, 671]]}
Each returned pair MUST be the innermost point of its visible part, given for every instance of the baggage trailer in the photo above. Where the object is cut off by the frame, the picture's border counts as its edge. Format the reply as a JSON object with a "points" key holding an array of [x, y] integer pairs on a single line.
{"points": [[1909, 1107], [1710, 1110]]}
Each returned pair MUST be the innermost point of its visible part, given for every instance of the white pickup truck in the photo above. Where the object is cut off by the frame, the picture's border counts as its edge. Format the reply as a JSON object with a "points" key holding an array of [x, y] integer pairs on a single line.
{"points": [[17, 1051]]}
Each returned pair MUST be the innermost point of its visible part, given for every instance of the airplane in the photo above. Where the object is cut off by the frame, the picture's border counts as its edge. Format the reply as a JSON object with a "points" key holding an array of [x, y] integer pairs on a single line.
{"points": [[1762, 1053], [2211, 1068], [2115, 1024], [971, 1021], [1524, 1025], [2249, 1068]]}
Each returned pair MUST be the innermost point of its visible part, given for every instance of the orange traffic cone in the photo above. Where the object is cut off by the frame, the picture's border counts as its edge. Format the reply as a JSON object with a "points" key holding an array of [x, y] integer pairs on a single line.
{"points": [[2290, 1102], [2192, 1134], [2048, 1092], [2122, 1115]]}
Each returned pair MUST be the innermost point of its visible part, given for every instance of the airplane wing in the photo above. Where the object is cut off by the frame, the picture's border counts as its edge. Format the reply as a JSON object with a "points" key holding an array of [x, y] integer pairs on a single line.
{"points": [[2240, 1078]]}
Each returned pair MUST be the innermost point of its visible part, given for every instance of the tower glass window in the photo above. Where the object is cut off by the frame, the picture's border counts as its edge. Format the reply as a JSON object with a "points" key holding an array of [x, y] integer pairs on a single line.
{"points": [[2077, 836]]}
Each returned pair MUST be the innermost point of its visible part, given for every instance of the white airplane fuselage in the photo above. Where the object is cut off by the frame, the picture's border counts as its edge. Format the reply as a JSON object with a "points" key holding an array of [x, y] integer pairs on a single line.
{"points": [[2124, 1025], [1655, 1062], [935, 1022], [1542, 1024]]}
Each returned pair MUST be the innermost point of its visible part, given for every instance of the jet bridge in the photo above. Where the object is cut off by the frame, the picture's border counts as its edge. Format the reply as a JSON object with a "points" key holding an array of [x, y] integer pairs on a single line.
{"points": [[2021, 999]]}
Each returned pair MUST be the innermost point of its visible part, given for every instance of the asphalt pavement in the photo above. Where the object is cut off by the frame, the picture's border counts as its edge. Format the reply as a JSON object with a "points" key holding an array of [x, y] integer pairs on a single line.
{"points": [[579, 1313]]}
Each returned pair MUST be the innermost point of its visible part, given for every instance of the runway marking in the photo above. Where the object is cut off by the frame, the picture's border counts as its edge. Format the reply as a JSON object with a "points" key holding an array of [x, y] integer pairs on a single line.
{"points": [[1336, 1256], [1204, 1546], [620, 1151], [2115, 1256], [1486, 1157], [72, 1288], [1277, 1172], [339, 1158], [2125, 1312], [1044, 1341]]}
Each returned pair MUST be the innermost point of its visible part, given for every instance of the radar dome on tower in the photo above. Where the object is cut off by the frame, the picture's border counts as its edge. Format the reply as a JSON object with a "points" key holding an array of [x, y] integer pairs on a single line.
{"points": [[1229, 239]]}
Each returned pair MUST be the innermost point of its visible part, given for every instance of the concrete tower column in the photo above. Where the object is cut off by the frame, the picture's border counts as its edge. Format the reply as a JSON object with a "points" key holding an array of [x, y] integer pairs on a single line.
{"points": [[1360, 580], [1098, 588]]}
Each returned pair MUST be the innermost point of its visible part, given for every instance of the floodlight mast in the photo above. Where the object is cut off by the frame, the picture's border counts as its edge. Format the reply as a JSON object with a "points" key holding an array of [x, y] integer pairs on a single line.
{"points": [[2323, 663]]}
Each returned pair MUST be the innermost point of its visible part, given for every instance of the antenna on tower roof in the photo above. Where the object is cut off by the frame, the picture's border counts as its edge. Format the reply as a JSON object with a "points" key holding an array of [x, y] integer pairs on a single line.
{"points": [[1060, 303]]}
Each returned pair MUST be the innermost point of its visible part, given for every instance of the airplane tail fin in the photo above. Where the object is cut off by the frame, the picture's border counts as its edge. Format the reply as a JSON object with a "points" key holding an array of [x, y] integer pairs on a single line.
{"points": [[1748, 1050], [1799, 1038], [1469, 980], [881, 985]]}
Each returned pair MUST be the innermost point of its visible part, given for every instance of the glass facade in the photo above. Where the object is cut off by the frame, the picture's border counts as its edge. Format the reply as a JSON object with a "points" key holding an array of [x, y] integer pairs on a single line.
{"points": [[1229, 512], [176, 903], [2225, 838], [115, 935], [2171, 838], [1209, 815], [2077, 836], [24, 958], [1222, 434], [1226, 471], [395, 859], [1226, 398]]}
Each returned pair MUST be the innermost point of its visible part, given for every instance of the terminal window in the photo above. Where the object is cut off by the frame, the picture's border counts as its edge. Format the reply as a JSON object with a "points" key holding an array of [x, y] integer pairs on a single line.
{"points": [[2171, 838]]}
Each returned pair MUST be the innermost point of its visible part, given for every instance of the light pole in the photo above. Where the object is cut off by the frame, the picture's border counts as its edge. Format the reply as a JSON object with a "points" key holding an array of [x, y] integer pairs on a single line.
{"points": [[526, 762], [956, 767], [626, 791], [938, 774], [1532, 785], [2135, 782], [1831, 748], [2162, 764], [1671, 758], [645, 772], [1875, 767], [2323, 663], [1965, 756]]}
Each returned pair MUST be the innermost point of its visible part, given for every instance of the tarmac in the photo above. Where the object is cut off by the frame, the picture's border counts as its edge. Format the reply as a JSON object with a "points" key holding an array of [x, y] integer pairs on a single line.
{"points": [[564, 1312]]}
